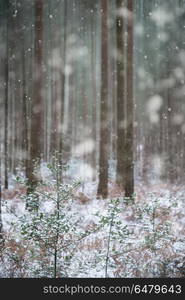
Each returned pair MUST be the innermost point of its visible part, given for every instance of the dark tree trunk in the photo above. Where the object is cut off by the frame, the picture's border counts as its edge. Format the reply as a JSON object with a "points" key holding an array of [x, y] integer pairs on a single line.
{"points": [[6, 108], [120, 172], [25, 116], [129, 149], [37, 104], [104, 134], [94, 108]]}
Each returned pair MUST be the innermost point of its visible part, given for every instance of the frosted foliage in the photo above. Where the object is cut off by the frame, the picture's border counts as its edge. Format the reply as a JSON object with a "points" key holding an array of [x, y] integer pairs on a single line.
{"points": [[92, 110], [145, 234], [45, 171], [153, 106]]}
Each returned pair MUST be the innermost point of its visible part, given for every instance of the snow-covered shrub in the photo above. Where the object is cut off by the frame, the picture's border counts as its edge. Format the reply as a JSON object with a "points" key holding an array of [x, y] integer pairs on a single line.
{"points": [[149, 246], [118, 237], [53, 231]]}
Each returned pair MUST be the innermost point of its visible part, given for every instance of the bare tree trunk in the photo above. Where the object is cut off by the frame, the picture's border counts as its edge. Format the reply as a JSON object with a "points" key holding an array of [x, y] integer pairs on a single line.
{"points": [[25, 116], [129, 149], [103, 161], [6, 106], [37, 103], [120, 171], [94, 108], [63, 81], [54, 113]]}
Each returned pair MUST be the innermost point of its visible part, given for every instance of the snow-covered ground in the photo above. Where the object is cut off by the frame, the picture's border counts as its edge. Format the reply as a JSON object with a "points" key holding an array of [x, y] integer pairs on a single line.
{"points": [[146, 240]]}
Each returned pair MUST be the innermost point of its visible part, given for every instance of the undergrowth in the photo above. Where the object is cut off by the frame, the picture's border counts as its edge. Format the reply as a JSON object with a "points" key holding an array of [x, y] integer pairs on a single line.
{"points": [[127, 237]]}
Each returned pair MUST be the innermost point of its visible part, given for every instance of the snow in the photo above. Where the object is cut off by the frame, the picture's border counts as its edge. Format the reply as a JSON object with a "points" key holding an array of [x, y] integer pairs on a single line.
{"points": [[161, 16], [153, 106], [88, 260], [85, 147]]}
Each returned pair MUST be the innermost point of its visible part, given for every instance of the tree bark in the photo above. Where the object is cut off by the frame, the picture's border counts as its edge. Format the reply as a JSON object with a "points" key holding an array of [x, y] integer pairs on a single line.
{"points": [[120, 171], [6, 106], [129, 141], [37, 104], [104, 134], [25, 115]]}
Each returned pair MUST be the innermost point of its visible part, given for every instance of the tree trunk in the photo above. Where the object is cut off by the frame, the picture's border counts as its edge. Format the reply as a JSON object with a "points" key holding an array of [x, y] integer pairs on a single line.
{"points": [[6, 108], [103, 161], [94, 106], [120, 171], [37, 104], [25, 116], [63, 79], [129, 149]]}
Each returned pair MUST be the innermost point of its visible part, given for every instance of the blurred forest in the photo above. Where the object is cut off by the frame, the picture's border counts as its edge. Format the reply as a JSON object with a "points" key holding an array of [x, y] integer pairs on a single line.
{"points": [[101, 82], [98, 83]]}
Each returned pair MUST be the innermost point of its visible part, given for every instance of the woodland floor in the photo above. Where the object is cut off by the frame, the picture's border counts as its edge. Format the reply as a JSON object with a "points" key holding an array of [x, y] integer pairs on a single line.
{"points": [[134, 257]]}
